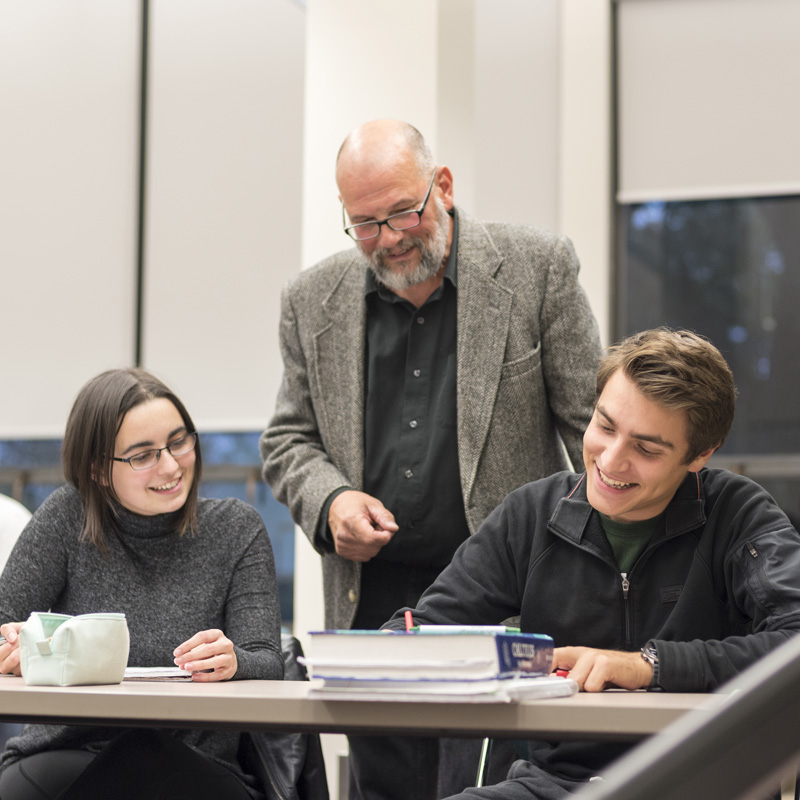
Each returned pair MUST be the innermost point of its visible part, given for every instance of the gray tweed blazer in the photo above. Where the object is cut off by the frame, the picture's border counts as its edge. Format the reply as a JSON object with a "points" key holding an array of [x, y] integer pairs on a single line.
{"points": [[527, 356]]}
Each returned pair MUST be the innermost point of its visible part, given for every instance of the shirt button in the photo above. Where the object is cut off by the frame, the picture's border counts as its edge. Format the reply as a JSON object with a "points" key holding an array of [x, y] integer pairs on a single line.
{"points": [[352, 596], [417, 373], [408, 473], [420, 320], [412, 424]]}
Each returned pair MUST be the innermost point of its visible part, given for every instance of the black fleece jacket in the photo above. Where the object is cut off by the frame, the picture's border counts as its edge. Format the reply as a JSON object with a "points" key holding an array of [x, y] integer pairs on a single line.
{"points": [[719, 588]]}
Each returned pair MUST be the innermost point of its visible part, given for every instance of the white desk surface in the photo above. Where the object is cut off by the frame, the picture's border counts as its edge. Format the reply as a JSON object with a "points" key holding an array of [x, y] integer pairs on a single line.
{"points": [[285, 706]]}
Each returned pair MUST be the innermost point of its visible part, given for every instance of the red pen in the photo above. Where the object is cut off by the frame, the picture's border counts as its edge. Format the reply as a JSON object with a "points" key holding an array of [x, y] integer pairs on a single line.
{"points": [[409, 621]]}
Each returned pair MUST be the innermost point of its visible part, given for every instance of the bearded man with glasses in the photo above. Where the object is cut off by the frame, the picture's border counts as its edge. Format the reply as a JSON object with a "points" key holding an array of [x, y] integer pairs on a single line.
{"points": [[428, 371]]}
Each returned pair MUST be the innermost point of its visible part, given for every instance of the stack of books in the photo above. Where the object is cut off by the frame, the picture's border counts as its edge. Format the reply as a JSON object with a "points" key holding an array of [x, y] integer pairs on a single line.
{"points": [[434, 663]]}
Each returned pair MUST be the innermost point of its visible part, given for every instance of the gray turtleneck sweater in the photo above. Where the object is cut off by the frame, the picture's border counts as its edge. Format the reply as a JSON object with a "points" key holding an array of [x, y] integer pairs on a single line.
{"points": [[168, 586]]}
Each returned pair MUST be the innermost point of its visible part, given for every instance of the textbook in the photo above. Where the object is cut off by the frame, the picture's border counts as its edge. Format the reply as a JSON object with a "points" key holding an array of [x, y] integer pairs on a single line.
{"points": [[431, 653], [493, 690], [156, 674]]}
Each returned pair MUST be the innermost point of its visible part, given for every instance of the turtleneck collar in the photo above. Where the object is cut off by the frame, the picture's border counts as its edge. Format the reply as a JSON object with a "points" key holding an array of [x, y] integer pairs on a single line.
{"points": [[146, 527]]}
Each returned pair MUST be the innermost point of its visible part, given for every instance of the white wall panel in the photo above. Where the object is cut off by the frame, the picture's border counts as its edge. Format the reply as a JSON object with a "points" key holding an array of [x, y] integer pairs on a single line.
{"points": [[69, 78], [224, 178], [517, 104], [360, 52], [585, 145], [456, 120]]}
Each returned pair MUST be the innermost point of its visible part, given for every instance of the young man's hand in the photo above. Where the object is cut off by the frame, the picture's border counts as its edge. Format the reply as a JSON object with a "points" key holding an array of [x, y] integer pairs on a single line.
{"points": [[594, 670]]}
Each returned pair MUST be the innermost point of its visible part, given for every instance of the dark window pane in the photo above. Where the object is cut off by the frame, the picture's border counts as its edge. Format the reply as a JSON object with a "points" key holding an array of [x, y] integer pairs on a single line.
{"points": [[784, 490], [27, 453], [727, 269]]}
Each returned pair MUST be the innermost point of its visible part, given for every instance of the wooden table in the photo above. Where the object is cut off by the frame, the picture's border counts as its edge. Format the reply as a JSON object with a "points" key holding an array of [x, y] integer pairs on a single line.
{"points": [[286, 706]]}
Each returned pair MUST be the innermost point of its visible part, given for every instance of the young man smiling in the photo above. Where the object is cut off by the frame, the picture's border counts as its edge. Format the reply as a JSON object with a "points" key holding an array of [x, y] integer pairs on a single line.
{"points": [[648, 570]]}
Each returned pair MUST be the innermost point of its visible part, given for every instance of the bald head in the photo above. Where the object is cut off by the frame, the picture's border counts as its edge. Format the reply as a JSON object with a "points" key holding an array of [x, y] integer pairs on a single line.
{"points": [[383, 146], [386, 172]]}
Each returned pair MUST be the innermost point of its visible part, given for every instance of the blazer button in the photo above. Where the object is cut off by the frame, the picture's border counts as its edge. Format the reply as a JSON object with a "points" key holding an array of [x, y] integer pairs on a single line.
{"points": [[352, 596]]}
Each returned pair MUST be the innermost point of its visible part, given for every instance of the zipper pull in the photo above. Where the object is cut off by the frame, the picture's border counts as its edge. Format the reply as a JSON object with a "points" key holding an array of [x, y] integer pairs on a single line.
{"points": [[751, 548], [626, 584]]}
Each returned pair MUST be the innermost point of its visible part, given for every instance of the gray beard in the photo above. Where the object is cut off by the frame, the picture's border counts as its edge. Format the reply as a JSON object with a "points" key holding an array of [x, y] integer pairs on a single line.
{"points": [[431, 256]]}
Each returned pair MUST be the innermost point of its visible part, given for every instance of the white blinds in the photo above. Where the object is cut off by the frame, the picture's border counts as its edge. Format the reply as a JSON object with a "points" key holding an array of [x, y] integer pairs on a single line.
{"points": [[223, 201], [222, 227], [69, 78], [708, 98]]}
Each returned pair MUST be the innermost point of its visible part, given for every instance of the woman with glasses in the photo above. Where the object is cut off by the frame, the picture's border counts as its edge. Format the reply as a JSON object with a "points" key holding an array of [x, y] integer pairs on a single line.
{"points": [[194, 577]]}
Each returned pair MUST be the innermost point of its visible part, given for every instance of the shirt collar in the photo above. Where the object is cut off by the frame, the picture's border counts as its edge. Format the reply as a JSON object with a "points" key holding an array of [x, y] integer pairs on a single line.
{"points": [[684, 512]]}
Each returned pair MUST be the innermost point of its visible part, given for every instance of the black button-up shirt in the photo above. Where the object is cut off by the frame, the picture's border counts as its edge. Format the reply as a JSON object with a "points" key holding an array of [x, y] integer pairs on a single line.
{"points": [[410, 434]]}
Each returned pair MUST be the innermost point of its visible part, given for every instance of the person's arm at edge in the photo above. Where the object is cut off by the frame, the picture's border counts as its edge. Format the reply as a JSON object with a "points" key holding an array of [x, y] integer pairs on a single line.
{"points": [[39, 551]]}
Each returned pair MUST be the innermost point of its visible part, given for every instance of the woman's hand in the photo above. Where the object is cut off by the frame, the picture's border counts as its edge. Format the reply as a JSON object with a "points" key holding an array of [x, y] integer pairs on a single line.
{"points": [[9, 650], [209, 655]]}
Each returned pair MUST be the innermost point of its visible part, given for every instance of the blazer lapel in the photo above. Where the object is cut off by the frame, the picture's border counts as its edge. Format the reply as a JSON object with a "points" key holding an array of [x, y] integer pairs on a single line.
{"points": [[339, 365], [484, 315]]}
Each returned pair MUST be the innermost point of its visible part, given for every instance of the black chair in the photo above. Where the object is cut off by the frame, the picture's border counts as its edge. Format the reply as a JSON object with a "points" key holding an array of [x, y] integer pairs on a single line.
{"points": [[289, 765]]}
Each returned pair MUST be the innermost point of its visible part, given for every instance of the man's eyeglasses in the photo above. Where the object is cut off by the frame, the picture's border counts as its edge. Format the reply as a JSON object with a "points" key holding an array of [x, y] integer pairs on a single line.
{"points": [[149, 458], [397, 222]]}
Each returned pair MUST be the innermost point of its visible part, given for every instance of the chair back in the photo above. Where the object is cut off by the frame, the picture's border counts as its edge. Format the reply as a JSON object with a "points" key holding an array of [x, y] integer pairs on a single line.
{"points": [[13, 518], [290, 766]]}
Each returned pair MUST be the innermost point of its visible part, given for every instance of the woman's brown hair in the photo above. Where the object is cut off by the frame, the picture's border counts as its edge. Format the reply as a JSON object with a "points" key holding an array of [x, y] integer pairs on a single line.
{"points": [[90, 438]]}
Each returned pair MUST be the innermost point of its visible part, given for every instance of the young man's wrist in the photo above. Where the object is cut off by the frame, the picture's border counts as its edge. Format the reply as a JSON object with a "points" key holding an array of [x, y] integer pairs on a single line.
{"points": [[650, 655]]}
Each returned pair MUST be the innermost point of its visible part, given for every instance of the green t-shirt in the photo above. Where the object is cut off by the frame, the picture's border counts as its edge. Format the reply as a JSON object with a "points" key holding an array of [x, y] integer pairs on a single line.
{"points": [[629, 539]]}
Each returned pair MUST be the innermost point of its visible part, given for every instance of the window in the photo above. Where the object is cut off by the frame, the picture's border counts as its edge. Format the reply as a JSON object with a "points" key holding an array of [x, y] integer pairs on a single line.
{"points": [[726, 269]]}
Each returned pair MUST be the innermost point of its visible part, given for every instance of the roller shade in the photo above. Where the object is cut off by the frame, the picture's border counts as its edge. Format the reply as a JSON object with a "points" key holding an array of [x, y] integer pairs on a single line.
{"points": [[707, 98]]}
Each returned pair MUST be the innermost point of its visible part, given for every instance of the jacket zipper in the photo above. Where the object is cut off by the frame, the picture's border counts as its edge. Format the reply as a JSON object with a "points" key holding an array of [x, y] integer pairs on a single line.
{"points": [[626, 585]]}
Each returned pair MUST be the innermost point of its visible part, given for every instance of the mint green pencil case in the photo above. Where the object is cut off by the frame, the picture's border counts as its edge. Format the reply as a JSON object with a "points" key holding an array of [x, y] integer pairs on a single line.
{"points": [[62, 650]]}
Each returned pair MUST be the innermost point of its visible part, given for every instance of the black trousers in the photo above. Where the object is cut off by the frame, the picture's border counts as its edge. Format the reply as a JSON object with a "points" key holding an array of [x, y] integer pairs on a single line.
{"points": [[526, 782], [136, 765], [403, 767]]}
